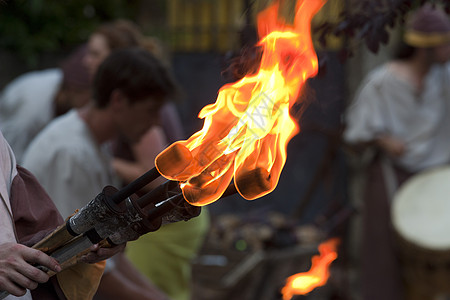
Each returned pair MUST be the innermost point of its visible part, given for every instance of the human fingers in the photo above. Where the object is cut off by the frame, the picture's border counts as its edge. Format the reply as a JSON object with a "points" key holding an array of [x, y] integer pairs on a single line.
{"points": [[102, 254], [22, 281], [38, 257], [12, 288], [94, 248]]}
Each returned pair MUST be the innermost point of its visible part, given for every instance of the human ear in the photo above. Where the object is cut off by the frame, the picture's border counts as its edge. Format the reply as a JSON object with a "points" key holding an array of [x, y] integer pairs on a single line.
{"points": [[118, 101]]}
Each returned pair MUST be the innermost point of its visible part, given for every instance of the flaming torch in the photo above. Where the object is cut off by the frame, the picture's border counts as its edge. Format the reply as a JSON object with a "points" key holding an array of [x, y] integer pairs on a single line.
{"points": [[303, 283], [247, 129], [244, 138]]}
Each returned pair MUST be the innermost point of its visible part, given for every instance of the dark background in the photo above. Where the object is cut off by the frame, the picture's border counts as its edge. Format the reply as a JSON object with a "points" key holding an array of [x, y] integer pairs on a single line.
{"points": [[38, 34]]}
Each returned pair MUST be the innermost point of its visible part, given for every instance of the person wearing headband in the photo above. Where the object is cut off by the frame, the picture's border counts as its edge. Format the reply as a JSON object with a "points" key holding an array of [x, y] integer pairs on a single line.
{"points": [[429, 28], [401, 116]]}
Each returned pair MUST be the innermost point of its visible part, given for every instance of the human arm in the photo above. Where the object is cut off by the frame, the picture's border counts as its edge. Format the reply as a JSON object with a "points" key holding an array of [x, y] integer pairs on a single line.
{"points": [[32, 206], [390, 145], [144, 152], [371, 119], [171, 122]]}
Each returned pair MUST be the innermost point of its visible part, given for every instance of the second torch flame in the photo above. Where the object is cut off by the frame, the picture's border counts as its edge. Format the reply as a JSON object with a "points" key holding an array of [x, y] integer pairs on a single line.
{"points": [[303, 283], [247, 129]]}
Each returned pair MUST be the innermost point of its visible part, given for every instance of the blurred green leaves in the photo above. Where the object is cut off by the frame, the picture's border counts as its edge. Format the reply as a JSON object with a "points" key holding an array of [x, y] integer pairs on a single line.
{"points": [[31, 27]]}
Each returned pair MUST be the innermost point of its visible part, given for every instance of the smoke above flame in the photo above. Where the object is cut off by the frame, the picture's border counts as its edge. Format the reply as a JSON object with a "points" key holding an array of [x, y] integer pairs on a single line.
{"points": [[247, 129]]}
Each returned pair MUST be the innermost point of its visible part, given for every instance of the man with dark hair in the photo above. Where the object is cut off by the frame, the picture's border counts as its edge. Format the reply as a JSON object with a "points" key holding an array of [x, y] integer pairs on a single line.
{"points": [[138, 78], [70, 158], [67, 157]]}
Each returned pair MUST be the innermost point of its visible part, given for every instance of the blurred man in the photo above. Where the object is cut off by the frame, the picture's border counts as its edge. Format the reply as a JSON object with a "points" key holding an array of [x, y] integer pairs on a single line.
{"points": [[32, 100], [69, 157]]}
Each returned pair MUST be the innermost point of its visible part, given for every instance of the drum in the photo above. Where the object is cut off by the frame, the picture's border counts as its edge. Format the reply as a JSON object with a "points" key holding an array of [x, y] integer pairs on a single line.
{"points": [[421, 222]]}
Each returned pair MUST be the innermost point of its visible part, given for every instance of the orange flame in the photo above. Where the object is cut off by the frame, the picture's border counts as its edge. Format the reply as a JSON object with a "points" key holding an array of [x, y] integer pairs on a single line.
{"points": [[246, 131], [303, 283]]}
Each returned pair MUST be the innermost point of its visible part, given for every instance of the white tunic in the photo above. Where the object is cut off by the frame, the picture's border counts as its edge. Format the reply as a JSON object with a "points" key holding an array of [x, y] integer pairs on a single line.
{"points": [[386, 104], [26, 107], [67, 161]]}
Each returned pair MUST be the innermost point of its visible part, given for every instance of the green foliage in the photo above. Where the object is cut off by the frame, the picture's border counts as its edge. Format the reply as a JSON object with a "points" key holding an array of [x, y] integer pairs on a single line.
{"points": [[31, 27]]}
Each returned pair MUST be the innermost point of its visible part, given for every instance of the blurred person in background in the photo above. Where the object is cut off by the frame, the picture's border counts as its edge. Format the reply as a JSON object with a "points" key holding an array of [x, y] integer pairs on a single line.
{"points": [[32, 100], [70, 160], [402, 114], [133, 159], [125, 33], [175, 245]]}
